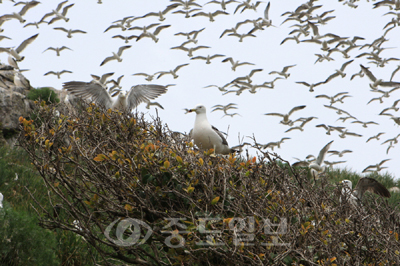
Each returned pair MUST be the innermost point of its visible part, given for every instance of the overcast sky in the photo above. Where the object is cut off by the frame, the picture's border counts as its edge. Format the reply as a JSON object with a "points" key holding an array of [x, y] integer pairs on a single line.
{"points": [[265, 51]]}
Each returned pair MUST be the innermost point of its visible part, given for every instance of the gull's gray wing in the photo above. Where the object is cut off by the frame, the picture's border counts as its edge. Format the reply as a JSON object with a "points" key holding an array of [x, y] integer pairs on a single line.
{"points": [[223, 139], [370, 184], [86, 90], [143, 93]]}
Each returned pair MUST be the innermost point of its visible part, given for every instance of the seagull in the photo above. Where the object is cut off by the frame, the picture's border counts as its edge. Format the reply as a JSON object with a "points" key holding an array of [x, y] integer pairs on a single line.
{"points": [[148, 76], [19, 15], [316, 166], [57, 73], [330, 128], [116, 56], [16, 52], [206, 136], [125, 38], [1, 200], [223, 3], [208, 58], [376, 136], [119, 24], [339, 153], [224, 108], [154, 34], [218, 87], [235, 64], [191, 36], [286, 120], [377, 167], [363, 185], [70, 31], [210, 15], [242, 36], [377, 82], [56, 13], [172, 72], [186, 12], [311, 86], [58, 49], [345, 132], [191, 49], [303, 122], [365, 124], [271, 144], [339, 72], [153, 104], [332, 98], [283, 72], [126, 101], [331, 164], [160, 14]]}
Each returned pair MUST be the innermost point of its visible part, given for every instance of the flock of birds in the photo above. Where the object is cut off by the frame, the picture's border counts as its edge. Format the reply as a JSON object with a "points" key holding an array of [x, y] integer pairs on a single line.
{"points": [[306, 23]]}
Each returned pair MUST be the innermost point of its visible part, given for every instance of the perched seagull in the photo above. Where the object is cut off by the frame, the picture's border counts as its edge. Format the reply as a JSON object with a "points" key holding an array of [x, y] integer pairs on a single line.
{"points": [[58, 49], [116, 56], [16, 52], [57, 73], [57, 14], [286, 120], [206, 136], [376, 136], [316, 166], [172, 72], [377, 167], [235, 64], [97, 90], [19, 15], [70, 31], [363, 185]]}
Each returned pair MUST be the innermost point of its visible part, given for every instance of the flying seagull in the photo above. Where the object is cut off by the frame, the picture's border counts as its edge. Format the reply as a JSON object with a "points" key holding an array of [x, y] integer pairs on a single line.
{"points": [[363, 185], [205, 135], [116, 56], [16, 52], [285, 117], [316, 166], [126, 101]]}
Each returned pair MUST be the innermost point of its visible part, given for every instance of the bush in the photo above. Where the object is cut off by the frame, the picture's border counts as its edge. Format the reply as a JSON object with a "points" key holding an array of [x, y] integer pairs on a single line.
{"points": [[109, 169], [46, 94], [23, 241]]}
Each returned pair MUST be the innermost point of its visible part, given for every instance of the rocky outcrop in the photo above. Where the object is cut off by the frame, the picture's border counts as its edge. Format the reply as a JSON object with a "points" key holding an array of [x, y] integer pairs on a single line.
{"points": [[13, 102]]}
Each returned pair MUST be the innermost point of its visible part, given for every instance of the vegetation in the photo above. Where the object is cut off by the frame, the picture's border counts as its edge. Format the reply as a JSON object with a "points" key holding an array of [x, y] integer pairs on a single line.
{"points": [[22, 240], [116, 179], [45, 93]]}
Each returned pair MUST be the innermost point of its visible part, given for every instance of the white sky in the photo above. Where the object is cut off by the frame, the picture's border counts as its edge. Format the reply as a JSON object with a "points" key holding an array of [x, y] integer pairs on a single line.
{"points": [[265, 51]]}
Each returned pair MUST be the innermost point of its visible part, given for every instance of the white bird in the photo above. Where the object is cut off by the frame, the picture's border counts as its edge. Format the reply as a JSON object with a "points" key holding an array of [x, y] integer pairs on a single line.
{"points": [[57, 14], [223, 3], [377, 167], [125, 38], [116, 56], [210, 15], [172, 71], [160, 14], [376, 136], [153, 104], [126, 101], [207, 58], [206, 136], [235, 64], [57, 49], [339, 153], [363, 185], [16, 52], [70, 31], [1, 200], [57, 73], [19, 15], [286, 120], [120, 24], [154, 34], [191, 49], [316, 166]]}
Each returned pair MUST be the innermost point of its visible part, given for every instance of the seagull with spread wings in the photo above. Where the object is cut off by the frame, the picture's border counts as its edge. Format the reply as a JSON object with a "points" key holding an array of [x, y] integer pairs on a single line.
{"points": [[16, 52], [285, 117], [354, 196], [116, 56], [126, 101]]}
